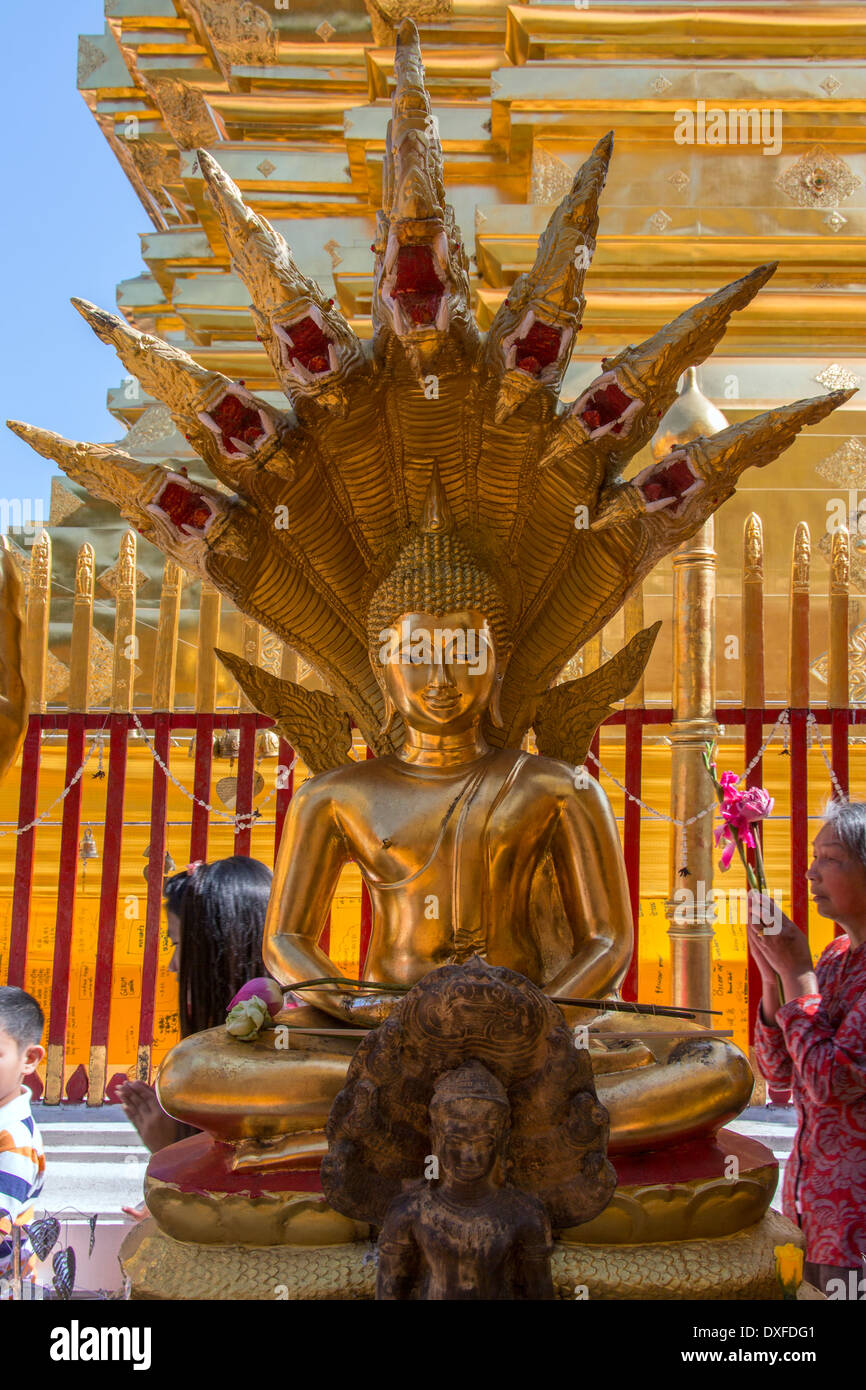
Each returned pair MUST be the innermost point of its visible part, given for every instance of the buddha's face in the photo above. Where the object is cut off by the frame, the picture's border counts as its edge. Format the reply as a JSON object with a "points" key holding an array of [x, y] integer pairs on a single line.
{"points": [[466, 1137], [439, 669]]}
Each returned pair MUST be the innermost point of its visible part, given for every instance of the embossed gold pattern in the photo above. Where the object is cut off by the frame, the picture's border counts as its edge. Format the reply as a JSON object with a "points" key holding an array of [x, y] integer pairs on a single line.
{"points": [[740, 1266]]}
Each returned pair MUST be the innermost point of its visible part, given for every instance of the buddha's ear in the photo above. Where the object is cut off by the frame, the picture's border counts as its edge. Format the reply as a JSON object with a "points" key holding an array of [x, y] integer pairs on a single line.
{"points": [[494, 711], [390, 715]]}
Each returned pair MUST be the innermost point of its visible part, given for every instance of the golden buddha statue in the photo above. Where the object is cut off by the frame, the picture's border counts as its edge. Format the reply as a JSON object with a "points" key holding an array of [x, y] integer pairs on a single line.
{"points": [[436, 537], [451, 836]]}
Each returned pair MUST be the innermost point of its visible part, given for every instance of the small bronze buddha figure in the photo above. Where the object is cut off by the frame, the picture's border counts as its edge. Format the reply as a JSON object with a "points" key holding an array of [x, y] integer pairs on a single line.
{"points": [[467, 1235]]}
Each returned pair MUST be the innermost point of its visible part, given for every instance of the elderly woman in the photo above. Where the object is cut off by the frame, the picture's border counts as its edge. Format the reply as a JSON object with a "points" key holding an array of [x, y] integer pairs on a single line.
{"points": [[815, 1042]]}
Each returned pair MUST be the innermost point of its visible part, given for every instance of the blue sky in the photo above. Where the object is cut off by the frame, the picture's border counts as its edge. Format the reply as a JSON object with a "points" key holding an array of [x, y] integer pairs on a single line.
{"points": [[70, 225]]}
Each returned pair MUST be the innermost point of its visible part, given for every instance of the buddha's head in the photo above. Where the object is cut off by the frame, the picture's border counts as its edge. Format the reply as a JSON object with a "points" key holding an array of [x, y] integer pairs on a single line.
{"points": [[469, 1117], [438, 629]]}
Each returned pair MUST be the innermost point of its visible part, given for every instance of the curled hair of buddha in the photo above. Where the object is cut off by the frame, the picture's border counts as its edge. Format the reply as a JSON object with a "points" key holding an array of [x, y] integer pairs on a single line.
{"points": [[438, 573]]}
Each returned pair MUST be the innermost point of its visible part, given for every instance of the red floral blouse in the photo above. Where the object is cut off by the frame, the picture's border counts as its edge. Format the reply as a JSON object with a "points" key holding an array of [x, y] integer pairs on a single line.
{"points": [[818, 1048]]}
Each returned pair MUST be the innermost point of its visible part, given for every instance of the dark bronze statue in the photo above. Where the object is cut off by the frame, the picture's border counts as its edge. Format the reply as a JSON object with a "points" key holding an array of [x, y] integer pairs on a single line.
{"points": [[468, 1126], [466, 1234]]}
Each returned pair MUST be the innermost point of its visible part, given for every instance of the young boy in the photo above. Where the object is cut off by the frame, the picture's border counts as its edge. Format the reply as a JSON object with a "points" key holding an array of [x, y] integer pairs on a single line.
{"points": [[22, 1162]]}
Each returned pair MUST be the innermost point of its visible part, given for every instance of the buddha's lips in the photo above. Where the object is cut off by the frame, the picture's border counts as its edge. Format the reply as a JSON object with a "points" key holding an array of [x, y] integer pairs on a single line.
{"points": [[187, 510], [416, 288], [605, 404], [537, 349], [236, 419], [307, 344], [669, 480]]}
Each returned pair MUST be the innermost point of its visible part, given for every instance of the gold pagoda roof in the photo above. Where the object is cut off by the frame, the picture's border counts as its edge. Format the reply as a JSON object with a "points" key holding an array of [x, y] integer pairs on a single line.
{"points": [[294, 103]]}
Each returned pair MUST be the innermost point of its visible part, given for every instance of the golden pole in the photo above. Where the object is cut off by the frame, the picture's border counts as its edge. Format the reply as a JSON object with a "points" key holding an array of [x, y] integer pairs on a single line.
{"points": [[167, 629], [840, 569], [82, 629], [591, 653], [36, 627], [288, 664], [752, 654], [125, 642], [798, 639], [634, 622], [251, 642], [752, 666], [208, 638], [694, 724]]}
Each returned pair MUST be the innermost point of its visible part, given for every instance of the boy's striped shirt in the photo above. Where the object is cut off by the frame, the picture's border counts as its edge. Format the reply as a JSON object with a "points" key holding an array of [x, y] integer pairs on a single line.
{"points": [[22, 1169]]}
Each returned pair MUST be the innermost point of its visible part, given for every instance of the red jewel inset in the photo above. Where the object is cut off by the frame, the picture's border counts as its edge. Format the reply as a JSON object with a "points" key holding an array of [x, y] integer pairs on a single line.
{"points": [[537, 349], [309, 345], [236, 420], [604, 405], [671, 481], [184, 507], [418, 287]]}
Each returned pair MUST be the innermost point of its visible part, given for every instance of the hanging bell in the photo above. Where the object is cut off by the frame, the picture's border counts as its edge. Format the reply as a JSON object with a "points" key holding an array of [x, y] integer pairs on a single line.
{"points": [[169, 866], [227, 744], [87, 849], [267, 744]]}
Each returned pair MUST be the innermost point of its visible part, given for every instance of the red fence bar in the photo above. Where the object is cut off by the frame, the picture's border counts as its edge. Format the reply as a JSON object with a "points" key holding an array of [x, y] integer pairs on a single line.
{"points": [[204, 726], [631, 836], [155, 865], [285, 790], [839, 748], [246, 773], [595, 751], [799, 819], [111, 858], [24, 851], [66, 888]]}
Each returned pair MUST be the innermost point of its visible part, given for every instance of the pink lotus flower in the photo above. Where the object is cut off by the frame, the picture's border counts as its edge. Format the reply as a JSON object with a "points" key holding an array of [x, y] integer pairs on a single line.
{"points": [[262, 988], [731, 832], [739, 811]]}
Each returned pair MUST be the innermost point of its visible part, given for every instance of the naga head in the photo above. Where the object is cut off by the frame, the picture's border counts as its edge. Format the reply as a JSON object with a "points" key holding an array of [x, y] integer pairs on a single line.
{"points": [[438, 629], [421, 280], [532, 336]]}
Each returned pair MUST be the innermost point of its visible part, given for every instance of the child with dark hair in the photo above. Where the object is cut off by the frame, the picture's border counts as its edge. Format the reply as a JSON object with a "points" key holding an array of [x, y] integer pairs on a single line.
{"points": [[215, 917], [22, 1161]]}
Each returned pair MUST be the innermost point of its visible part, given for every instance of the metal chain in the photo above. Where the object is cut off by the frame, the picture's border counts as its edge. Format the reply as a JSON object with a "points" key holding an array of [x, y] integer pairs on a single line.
{"points": [[699, 815], [241, 822], [812, 725], [76, 777]]}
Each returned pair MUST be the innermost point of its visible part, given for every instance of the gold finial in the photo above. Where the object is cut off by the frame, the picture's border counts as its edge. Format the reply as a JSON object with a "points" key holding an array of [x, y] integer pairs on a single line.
{"points": [[126, 563], [84, 572], [690, 417], [801, 559], [840, 561], [753, 547]]}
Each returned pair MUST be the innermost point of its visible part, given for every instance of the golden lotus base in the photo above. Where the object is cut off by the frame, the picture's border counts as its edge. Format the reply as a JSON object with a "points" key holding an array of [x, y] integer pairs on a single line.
{"points": [[679, 1194], [740, 1266]]}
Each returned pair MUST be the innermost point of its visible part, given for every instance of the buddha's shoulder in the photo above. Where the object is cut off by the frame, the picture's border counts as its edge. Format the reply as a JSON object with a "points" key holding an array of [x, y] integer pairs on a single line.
{"points": [[558, 777]]}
